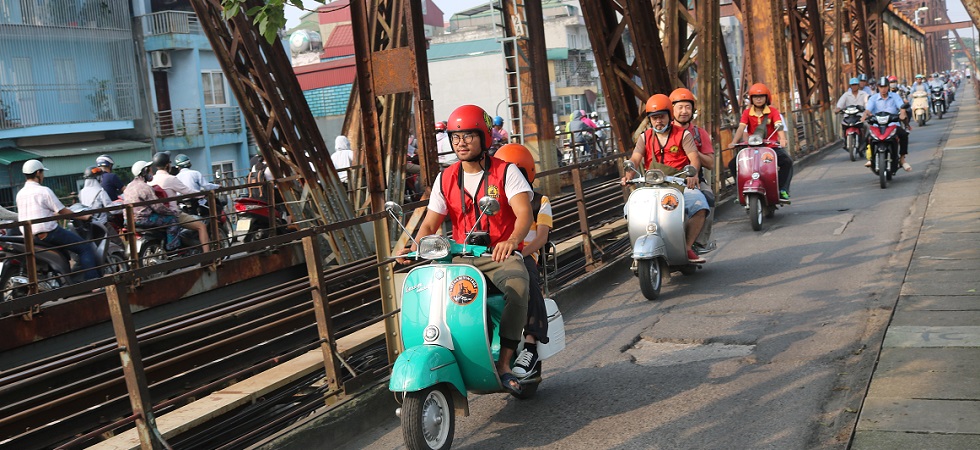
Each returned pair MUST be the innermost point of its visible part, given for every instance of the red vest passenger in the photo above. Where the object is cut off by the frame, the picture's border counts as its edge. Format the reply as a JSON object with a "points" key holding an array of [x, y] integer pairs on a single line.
{"points": [[671, 154]]}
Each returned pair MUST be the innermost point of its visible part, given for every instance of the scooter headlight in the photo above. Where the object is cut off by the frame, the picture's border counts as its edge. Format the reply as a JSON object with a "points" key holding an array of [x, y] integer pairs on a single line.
{"points": [[883, 120], [434, 247], [755, 175], [431, 333], [654, 176], [651, 228], [755, 140]]}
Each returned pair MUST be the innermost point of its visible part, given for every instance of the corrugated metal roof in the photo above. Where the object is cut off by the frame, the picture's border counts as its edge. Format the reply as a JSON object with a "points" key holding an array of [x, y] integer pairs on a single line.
{"points": [[330, 73], [340, 42], [453, 50]]}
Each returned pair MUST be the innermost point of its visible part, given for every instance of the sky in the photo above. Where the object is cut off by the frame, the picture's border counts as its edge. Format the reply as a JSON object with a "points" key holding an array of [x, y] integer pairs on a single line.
{"points": [[448, 7]]}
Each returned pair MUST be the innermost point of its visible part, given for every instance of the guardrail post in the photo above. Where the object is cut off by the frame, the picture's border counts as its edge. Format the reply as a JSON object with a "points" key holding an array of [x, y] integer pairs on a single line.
{"points": [[132, 365], [271, 193], [321, 308], [131, 237], [32, 288], [583, 217], [213, 220]]}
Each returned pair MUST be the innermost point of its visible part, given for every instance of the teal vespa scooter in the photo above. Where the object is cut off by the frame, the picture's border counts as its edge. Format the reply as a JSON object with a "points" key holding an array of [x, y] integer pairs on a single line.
{"points": [[448, 326]]}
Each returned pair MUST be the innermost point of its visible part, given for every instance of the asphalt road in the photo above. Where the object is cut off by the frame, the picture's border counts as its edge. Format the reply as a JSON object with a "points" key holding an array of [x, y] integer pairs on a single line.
{"points": [[770, 346]]}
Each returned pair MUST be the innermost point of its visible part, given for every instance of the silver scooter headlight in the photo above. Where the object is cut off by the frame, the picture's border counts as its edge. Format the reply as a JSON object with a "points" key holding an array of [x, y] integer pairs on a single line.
{"points": [[755, 140], [654, 176], [434, 247]]}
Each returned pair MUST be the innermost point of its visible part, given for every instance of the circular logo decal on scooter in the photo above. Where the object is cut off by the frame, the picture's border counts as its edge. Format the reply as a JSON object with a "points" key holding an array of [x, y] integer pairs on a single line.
{"points": [[669, 202], [767, 158], [463, 290]]}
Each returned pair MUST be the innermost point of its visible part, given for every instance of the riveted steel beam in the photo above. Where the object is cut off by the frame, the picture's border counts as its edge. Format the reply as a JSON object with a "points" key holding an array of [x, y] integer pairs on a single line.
{"points": [[261, 77], [766, 55], [626, 41]]}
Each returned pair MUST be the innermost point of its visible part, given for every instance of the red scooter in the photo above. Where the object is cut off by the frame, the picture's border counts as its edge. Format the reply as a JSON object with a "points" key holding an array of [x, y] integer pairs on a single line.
{"points": [[883, 146], [254, 217], [758, 181]]}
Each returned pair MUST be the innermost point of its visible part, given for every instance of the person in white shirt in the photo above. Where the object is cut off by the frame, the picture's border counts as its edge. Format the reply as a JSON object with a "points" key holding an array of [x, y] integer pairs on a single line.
{"points": [[35, 201], [853, 97], [174, 187], [190, 177], [444, 149], [93, 195], [342, 157]]}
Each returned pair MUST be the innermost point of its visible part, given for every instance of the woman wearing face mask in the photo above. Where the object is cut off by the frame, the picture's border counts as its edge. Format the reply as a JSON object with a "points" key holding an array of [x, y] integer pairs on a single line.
{"points": [[156, 215]]}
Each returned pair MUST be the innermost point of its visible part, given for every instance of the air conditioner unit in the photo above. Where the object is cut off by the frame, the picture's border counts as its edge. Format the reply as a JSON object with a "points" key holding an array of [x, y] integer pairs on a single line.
{"points": [[160, 60]]}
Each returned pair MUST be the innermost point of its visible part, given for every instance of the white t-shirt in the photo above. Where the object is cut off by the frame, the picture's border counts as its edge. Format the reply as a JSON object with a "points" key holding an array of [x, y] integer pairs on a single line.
{"points": [[515, 184]]}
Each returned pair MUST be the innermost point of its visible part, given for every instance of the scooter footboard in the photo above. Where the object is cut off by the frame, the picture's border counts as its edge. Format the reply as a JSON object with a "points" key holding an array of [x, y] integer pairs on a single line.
{"points": [[423, 366]]}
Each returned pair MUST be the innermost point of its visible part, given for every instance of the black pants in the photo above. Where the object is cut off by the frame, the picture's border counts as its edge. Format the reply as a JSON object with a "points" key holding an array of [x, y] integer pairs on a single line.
{"points": [[783, 160], [537, 314]]}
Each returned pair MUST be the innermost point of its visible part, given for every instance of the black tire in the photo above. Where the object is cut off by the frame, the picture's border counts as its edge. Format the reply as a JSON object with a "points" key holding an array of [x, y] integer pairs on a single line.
{"points": [[688, 270], [428, 418], [115, 263], [852, 146], [922, 120], [882, 164], [6, 284], [651, 273], [939, 112], [755, 212], [151, 254], [770, 211]]}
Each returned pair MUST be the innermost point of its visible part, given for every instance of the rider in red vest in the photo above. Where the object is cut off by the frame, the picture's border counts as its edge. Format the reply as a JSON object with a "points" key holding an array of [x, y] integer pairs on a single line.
{"points": [[455, 194], [672, 147]]}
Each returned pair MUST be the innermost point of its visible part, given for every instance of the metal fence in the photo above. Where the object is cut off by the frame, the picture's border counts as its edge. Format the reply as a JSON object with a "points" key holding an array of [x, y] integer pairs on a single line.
{"points": [[187, 121], [170, 22], [98, 100]]}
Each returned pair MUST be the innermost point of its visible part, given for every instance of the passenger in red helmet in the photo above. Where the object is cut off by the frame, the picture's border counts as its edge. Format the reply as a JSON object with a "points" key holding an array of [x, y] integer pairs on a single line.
{"points": [[455, 193]]}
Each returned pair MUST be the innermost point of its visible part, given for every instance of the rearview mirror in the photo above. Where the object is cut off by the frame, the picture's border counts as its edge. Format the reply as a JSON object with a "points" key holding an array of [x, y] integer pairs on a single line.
{"points": [[489, 206], [690, 170], [394, 209]]}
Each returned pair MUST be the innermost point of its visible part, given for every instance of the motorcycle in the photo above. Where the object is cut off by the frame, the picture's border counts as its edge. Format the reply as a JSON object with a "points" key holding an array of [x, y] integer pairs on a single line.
{"points": [[54, 266], [938, 101], [758, 180], [254, 216], [448, 318], [200, 208], [853, 130], [920, 107], [655, 219], [151, 244], [883, 146]]}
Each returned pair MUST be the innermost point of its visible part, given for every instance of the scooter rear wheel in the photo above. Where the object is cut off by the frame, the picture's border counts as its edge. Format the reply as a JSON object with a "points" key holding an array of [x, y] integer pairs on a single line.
{"points": [[755, 212], [651, 272], [428, 418]]}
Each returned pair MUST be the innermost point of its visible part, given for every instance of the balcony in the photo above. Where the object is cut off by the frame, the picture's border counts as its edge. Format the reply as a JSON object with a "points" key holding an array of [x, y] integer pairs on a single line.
{"points": [[99, 105], [183, 128], [168, 30]]}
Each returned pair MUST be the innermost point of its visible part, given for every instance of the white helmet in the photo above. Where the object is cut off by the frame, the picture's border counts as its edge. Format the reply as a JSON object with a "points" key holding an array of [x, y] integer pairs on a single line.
{"points": [[32, 166], [138, 167]]}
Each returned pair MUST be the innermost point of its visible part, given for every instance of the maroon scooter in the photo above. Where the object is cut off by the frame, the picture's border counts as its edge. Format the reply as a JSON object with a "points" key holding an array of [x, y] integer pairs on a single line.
{"points": [[758, 180]]}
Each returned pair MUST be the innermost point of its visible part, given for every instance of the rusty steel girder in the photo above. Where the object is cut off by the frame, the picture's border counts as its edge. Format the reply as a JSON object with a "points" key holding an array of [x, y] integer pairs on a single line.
{"points": [[626, 42], [860, 42], [806, 36], [272, 102]]}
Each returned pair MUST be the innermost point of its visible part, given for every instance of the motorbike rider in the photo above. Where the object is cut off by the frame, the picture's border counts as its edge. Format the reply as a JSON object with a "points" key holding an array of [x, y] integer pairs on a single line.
{"points": [[536, 329], [173, 186], [863, 81], [190, 177], [500, 135], [893, 86], [342, 157], [110, 181], [890, 102], [35, 201], [683, 105], [93, 195], [761, 112], [446, 155], [670, 147], [455, 194], [580, 131], [853, 97], [155, 215]]}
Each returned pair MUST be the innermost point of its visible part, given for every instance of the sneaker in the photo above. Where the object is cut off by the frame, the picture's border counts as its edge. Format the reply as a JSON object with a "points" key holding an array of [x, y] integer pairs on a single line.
{"points": [[693, 258], [783, 195], [525, 362]]}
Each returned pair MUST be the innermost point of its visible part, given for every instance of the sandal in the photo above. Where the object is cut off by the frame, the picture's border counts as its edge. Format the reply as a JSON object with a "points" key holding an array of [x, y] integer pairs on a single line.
{"points": [[907, 167], [511, 383]]}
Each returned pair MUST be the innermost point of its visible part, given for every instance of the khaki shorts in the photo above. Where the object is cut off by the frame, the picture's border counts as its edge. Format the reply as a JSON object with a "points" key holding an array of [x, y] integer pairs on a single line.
{"points": [[187, 220]]}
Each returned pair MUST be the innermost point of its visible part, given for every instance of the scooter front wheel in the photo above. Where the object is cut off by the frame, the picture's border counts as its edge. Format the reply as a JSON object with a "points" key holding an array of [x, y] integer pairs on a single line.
{"points": [[428, 418], [852, 146], [755, 212], [882, 164], [651, 273]]}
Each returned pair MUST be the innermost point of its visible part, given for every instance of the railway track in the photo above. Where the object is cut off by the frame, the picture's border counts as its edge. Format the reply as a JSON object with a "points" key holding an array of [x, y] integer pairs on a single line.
{"points": [[76, 398]]}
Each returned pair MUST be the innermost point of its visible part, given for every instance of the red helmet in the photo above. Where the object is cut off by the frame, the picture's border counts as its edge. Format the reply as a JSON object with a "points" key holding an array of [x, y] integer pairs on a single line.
{"points": [[440, 126], [682, 95], [760, 89], [658, 103], [472, 118], [518, 155], [893, 79]]}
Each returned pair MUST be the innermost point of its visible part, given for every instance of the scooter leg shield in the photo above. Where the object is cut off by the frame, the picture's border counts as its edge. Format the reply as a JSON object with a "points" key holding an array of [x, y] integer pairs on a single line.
{"points": [[425, 365], [649, 246]]}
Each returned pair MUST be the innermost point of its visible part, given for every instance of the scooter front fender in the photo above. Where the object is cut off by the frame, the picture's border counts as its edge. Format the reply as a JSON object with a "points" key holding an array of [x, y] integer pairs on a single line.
{"points": [[754, 187], [425, 365], [649, 246]]}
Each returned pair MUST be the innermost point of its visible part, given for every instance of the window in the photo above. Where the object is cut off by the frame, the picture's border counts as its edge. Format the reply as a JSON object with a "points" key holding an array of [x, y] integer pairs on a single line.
{"points": [[222, 169], [64, 72], [214, 88]]}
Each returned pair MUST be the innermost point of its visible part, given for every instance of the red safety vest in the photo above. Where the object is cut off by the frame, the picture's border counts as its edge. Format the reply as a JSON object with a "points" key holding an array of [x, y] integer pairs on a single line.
{"points": [[672, 154], [462, 211]]}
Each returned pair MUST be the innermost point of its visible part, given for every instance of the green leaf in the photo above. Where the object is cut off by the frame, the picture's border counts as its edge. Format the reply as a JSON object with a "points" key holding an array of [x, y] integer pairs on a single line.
{"points": [[251, 11]]}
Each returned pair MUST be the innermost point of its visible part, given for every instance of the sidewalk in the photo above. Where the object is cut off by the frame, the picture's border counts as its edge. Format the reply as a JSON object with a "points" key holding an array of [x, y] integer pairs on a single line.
{"points": [[925, 390]]}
